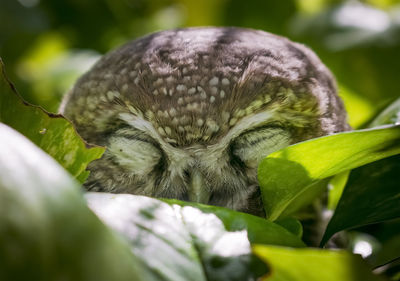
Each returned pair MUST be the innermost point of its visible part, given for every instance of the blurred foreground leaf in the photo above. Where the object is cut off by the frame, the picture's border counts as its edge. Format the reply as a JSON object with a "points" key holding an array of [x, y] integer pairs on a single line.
{"points": [[287, 174], [188, 242], [46, 230], [313, 265], [52, 133], [259, 230]]}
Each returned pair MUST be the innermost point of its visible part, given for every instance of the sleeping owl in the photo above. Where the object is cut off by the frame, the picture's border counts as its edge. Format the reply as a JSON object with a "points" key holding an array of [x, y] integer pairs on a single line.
{"points": [[190, 113]]}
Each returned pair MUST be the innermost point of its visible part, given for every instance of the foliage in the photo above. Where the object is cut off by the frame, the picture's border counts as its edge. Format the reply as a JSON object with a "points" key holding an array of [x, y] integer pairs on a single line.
{"points": [[313, 265], [314, 160], [47, 231], [173, 240], [181, 243], [259, 230], [372, 196], [359, 41], [52, 133]]}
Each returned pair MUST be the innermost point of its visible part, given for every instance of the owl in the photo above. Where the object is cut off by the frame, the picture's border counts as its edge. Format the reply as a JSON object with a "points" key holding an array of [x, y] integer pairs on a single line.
{"points": [[190, 113]]}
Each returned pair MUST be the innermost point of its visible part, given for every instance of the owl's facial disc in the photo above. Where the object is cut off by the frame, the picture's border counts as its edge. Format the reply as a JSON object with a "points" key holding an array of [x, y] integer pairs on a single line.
{"points": [[202, 170], [190, 113]]}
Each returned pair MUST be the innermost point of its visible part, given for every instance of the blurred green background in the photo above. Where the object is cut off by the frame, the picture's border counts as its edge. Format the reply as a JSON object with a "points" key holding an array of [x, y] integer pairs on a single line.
{"points": [[47, 44]]}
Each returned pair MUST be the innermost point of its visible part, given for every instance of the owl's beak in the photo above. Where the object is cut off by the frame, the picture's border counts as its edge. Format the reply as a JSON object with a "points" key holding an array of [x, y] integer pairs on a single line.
{"points": [[198, 191]]}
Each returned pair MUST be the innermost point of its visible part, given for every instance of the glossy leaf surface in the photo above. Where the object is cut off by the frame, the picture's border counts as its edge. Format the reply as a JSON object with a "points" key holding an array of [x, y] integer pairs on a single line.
{"points": [[47, 232], [313, 265], [287, 174], [178, 242], [51, 132]]}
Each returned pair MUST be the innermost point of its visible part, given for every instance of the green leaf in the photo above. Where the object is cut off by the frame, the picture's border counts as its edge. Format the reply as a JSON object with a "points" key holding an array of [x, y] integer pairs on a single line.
{"points": [[313, 265], [47, 231], [260, 230], [287, 174], [372, 195], [293, 225], [391, 115], [389, 252], [307, 196], [336, 187], [51, 132], [179, 242]]}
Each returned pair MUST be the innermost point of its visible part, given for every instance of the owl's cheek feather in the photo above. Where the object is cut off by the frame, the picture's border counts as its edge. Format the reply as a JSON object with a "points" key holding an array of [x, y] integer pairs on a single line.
{"points": [[134, 155], [254, 147]]}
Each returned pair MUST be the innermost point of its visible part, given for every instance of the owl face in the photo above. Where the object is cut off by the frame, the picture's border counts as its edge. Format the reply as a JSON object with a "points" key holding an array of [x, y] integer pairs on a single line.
{"points": [[190, 113]]}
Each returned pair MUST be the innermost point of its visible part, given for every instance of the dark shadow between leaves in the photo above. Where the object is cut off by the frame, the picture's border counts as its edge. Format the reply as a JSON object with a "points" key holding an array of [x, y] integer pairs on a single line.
{"points": [[371, 195]]}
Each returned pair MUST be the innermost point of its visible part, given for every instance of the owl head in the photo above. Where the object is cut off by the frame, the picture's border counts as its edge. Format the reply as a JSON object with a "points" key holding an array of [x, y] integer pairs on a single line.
{"points": [[190, 113]]}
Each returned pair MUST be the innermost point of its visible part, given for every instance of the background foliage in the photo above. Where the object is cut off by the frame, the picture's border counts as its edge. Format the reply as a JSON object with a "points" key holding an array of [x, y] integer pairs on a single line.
{"points": [[47, 44]]}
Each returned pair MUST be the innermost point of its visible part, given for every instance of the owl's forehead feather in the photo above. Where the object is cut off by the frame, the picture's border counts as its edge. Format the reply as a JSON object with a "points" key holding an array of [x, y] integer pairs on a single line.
{"points": [[194, 84]]}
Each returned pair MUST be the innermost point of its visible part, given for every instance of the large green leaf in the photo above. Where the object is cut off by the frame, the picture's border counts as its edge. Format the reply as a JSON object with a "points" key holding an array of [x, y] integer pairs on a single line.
{"points": [[287, 174], [52, 133], [260, 230], [372, 195], [313, 265], [47, 231], [182, 241]]}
